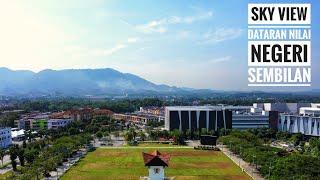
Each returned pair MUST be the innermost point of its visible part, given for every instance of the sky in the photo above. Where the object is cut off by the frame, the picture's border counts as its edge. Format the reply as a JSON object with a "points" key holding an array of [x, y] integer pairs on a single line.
{"points": [[197, 44]]}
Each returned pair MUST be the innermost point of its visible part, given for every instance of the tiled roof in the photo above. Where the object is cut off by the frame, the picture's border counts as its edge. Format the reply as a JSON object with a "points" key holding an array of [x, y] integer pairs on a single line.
{"points": [[156, 159]]}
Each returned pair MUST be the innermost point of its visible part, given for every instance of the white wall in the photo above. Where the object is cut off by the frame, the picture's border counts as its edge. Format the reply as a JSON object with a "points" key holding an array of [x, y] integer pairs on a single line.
{"points": [[156, 176]]}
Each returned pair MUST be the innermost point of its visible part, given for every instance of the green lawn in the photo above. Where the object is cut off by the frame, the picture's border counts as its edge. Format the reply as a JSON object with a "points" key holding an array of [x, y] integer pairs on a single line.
{"points": [[5, 175], [127, 163]]}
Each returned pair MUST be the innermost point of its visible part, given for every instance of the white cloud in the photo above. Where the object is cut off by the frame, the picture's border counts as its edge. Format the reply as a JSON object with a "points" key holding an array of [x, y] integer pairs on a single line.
{"points": [[133, 39], [118, 47], [108, 52], [161, 25], [221, 34], [183, 34], [221, 59]]}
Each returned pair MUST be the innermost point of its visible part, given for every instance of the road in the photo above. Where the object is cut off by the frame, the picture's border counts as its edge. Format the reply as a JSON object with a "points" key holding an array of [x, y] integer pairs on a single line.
{"points": [[116, 142], [6, 159], [250, 170]]}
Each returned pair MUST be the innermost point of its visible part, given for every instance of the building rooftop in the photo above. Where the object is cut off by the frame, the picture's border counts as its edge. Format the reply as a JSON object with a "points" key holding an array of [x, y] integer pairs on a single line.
{"points": [[156, 159], [310, 108], [207, 108]]}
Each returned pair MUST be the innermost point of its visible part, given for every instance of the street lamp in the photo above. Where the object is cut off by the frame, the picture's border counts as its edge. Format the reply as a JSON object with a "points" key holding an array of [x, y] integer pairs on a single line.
{"points": [[254, 157], [270, 168], [240, 156], [57, 172]]}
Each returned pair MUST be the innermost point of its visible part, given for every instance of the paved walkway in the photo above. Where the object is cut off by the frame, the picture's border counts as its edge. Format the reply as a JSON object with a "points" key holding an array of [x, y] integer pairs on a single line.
{"points": [[60, 170], [250, 170], [9, 166]]}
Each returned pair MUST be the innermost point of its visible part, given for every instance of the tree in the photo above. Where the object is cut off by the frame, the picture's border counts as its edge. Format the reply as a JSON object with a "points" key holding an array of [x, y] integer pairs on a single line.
{"points": [[13, 156], [296, 138], [24, 144], [73, 131], [99, 134], [314, 144], [2, 154], [7, 119], [134, 133], [30, 155], [29, 135], [177, 136], [142, 135], [20, 154], [128, 136]]}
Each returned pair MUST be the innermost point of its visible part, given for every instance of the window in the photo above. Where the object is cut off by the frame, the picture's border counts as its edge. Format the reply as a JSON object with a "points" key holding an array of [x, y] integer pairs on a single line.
{"points": [[156, 170]]}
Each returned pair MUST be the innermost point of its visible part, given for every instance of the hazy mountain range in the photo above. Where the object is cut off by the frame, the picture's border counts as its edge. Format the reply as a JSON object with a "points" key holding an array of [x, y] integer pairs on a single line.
{"points": [[79, 82]]}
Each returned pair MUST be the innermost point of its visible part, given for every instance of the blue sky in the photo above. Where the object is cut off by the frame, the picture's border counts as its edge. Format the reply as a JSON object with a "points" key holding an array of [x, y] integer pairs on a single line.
{"points": [[199, 44]]}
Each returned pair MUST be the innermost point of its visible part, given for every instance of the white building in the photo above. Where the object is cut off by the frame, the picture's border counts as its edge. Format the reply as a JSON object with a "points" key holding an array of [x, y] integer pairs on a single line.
{"points": [[17, 134], [313, 111], [306, 122], [282, 107], [57, 123], [5, 137]]}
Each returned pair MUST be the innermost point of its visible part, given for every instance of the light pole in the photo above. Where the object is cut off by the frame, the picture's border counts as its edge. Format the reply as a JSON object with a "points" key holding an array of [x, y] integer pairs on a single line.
{"points": [[254, 157], [270, 167], [240, 156]]}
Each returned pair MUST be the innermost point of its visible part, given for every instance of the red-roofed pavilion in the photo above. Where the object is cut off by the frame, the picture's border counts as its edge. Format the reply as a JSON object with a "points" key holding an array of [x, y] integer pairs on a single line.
{"points": [[156, 163]]}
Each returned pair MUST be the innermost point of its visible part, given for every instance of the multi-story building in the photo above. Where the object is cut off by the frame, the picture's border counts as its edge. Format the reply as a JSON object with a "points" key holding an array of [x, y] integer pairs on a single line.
{"points": [[38, 121], [57, 123], [306, 122], [82, 114], [217, 117], [255, 118], [158, 111], [282, 107], [197, 117], [136, 118], [102, 112], [39, 124], [32, 121], [5, 137]]}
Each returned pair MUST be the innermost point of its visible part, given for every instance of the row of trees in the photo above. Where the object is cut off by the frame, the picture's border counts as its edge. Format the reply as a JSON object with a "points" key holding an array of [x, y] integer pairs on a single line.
{"points": [[41, 158], [38, 158], [175, 135], [155, 135], [7, 119], [273, 163], [122, 105]]}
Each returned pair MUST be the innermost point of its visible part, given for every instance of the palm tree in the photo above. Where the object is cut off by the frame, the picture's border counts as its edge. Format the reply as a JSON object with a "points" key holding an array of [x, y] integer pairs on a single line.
{"points": [[142, 135], [20, 154]]}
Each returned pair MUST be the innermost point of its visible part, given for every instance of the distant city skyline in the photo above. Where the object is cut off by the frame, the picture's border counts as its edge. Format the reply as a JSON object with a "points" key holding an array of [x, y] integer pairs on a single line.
{"points": [[196, 44]]}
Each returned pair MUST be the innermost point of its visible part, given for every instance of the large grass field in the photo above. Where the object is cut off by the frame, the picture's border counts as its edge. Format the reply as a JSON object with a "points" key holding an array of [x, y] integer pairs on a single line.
{"points": [[127, 163]]}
